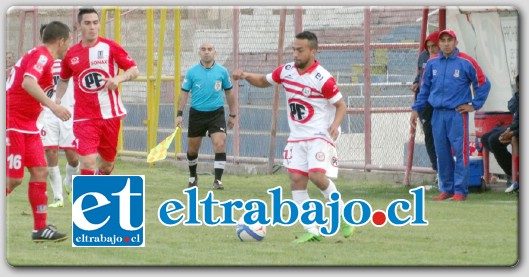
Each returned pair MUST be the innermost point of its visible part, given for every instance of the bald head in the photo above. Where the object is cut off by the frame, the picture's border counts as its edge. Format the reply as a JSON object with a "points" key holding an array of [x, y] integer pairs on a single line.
{"points": [[207, 54]]}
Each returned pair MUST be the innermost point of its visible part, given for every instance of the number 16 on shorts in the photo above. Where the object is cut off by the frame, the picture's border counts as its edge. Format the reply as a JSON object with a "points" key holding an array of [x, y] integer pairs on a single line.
{"points": [[108, 211]]}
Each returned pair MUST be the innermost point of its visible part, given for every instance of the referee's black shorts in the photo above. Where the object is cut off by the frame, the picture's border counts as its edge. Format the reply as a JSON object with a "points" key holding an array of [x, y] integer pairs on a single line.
{"points": [[202, 122]]}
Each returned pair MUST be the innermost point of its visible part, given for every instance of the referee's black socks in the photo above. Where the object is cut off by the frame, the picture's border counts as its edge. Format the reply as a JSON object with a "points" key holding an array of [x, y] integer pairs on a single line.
{"points": [[192, 162], [220, 162]]}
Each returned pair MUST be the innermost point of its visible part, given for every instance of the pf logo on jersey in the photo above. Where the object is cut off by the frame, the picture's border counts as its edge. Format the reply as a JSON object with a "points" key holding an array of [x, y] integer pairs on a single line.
{"points": [[92, 80], [108, 211], [300, 111]]}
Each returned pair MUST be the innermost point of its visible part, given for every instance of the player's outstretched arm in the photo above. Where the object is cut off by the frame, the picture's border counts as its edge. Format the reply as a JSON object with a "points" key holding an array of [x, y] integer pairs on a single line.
{"points": [[62, 85], [258, 80]]}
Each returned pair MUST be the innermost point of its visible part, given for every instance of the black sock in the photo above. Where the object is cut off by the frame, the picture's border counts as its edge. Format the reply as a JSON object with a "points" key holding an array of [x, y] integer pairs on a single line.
{"points": [[192, 162], [220, 161]]}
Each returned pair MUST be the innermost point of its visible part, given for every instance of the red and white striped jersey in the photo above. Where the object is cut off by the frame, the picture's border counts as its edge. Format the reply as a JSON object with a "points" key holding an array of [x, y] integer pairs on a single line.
{"points": [[90, 67], [23, 110], [310, 97], [67, 100]]}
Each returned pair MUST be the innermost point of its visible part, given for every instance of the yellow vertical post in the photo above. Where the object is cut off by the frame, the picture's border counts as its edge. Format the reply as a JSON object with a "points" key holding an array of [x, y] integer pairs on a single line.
{"points": [[150, 83], [117, 38], [177, 74], [103, 22], [156, 97]]}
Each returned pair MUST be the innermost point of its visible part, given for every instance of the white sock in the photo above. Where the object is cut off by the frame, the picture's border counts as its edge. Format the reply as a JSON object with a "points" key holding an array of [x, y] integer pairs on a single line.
{"points": [[330, 189], [54, 175], [70, 171], [299, 196]]}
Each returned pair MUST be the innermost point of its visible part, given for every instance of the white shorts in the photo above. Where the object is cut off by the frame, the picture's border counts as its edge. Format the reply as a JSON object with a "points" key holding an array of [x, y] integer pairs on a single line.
{"points": [[314, 155], [57, 133]]}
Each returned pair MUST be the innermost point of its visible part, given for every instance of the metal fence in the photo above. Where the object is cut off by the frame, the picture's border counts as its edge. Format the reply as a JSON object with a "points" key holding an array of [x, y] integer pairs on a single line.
{"points": [[371, 52]]}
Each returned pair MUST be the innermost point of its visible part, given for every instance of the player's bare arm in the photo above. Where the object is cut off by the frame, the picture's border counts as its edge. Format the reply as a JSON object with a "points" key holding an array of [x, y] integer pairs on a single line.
{"points": [[62, 85], [258, 80], [341, 109], [32, 87], [230, 98], [129, 74], [182, 100]]}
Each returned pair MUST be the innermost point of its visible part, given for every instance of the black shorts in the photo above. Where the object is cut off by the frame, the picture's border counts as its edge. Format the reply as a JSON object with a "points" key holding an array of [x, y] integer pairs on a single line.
{"points": [[202, 122]]}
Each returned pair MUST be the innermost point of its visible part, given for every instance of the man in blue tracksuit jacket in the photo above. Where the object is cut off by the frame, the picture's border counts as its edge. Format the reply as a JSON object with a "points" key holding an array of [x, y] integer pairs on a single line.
{"points": [[446, 84]]}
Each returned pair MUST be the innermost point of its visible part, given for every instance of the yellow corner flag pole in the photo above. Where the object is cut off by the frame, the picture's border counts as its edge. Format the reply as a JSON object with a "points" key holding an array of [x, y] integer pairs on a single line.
{"points": [[159, 152]]}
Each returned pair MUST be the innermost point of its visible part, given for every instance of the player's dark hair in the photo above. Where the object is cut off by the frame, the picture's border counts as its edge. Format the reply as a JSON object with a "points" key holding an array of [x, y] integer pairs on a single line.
{"points": [[311, 37], [42, 27], [54, 31], [83, 11]]}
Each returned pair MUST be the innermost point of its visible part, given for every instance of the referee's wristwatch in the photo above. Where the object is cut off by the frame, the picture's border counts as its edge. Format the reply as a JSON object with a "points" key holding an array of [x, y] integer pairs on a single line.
{"points": [[233, 115]]}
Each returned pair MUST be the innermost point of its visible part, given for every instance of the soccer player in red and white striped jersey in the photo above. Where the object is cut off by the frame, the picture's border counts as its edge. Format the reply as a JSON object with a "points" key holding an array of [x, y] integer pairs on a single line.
{"points": [[25, 96], [315, 110], [94, 63]]}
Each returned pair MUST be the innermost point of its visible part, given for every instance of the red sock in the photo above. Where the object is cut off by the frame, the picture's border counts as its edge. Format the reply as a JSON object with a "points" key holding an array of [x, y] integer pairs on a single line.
{"points": [[516, 166], [87, 172], [7, 191], [101, 172], [39, 203]]}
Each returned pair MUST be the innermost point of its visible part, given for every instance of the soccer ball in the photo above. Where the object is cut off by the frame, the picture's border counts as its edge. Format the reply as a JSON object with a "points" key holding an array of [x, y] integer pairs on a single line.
{"points": [[253, 232]]}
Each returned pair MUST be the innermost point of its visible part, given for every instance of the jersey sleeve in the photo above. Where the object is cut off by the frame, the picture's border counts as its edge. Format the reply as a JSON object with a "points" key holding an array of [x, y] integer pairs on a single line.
{"points": [[226, 81], [330, 91], [122, 58], [187, 84], [37, 63], [66, 71], [275, 77]]}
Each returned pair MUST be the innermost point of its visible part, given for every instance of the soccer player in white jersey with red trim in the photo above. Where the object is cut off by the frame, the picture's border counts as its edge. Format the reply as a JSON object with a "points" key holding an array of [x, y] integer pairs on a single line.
{"points": [[315, 109], [25, 96], [93, 63], [55, 135]]}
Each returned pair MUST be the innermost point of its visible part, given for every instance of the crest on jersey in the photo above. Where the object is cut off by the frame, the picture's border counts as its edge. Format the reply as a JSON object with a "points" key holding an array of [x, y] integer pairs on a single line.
{"points": [[92, 80], [320, 156], [74, 60], [42, 60], [456, 73], [100, 54], [300, 111], [306, 91], [218, 85], [334, 161]]}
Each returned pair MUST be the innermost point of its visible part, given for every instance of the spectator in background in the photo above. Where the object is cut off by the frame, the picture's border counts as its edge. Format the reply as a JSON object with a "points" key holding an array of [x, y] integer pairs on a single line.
{"points": [[446, 84], [10, 62], [431, 49], [505, 138]]}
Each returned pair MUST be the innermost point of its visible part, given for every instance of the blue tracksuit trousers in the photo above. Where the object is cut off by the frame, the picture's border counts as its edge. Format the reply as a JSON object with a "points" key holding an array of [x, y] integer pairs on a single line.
{"points": [[450, 131]]}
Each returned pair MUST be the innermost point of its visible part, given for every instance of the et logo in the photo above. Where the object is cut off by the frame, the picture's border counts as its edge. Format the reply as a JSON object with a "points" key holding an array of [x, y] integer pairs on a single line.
{"points": [[92, 80], [108, 211]]}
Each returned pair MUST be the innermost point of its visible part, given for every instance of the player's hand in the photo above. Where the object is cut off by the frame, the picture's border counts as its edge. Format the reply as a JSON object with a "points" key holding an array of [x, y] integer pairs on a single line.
{"points": [[413, 119], [415, 87], [57, 101], [111, 83], [334, 132], [238, 74], [61, 112], [231, 122], [178, 121], [465, 108]]}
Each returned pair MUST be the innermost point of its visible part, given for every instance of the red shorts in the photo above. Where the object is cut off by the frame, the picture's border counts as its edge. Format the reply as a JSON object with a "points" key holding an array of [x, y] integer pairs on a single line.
{"points": [[97, 136], [23, 150]]}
